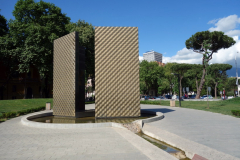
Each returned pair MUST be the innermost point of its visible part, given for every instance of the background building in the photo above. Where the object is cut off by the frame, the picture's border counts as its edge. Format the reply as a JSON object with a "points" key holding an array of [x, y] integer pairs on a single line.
{"points": [[21, 85], [152, 56]]}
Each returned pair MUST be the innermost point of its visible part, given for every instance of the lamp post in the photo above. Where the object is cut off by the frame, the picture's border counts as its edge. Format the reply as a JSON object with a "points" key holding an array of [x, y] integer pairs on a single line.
{"points": [[178, 88]]}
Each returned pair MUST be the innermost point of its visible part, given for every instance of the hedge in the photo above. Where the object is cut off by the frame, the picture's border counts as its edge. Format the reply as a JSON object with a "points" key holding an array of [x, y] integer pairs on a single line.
{"points": [[236, 112], [150, 102], [22, 112]]}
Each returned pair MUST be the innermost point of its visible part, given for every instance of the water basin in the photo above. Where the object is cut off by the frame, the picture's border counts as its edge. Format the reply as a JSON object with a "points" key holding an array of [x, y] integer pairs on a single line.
{"points": [[166, 147], [54, 119]]}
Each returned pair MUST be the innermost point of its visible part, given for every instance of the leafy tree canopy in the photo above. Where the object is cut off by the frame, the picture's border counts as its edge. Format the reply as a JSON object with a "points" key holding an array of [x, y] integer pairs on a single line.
{"points": [[3, 26], [36, 26], [167, 80], [217, 74], [86, 39], [180, 69], [207, 43], [149, 73]]}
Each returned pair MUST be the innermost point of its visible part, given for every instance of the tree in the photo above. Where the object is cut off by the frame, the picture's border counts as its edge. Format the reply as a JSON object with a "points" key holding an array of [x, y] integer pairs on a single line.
{"points": [[181, 69], [143, 88], [86, 39], [231, 84], [207, 43], [6, 59], [149, 73], [169, 76], [36, 26], [195, 73], [3, 26], [217, 73]]}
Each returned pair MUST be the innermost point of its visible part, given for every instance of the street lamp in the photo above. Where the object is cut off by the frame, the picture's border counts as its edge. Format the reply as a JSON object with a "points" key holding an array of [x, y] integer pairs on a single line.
{"points": [[178, 88]]}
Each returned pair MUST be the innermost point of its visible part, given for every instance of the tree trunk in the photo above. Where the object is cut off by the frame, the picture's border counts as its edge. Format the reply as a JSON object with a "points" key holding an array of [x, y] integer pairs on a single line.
{"points": [[201, 84], [196, 83], [25, 90], [216, 90], [180, 81]]}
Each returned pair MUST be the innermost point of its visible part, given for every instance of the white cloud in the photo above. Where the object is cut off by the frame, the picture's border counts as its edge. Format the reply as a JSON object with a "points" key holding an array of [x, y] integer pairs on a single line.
{"points": [[213, 21], [233, 33], [225, 24], [140, 58], [184, 56], [228, 26]]}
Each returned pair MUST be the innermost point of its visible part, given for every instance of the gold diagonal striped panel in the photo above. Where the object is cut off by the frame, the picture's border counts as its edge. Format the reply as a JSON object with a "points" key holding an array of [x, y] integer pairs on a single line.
{"points": [[116, 72], [68, 76]]}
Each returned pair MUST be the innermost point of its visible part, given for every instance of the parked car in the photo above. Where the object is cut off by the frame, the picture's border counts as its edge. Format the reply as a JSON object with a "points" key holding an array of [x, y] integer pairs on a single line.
{"points": [[224, 98], [209, 97], [206, 97], [160, 97], [192, 96], [181, 98], [168, 96], [146, 97], [174, 96], [142, 97], [230, 97], [152, 97]]}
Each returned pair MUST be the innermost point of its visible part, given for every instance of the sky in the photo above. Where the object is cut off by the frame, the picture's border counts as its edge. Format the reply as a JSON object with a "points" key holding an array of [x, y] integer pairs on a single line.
{"points": [[163, 26]]}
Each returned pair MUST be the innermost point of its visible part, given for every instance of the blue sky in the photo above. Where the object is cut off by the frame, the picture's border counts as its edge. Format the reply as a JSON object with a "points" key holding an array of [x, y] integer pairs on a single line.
{"points": [[164, 26]]}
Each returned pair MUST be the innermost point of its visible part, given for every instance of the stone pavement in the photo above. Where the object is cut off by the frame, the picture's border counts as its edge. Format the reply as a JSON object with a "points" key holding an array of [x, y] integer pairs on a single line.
{"points": [[22, 142], [217, 131]]}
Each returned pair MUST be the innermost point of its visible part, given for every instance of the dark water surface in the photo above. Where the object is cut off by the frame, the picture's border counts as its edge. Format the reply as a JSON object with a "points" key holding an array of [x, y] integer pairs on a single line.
{"points": [[53, 119], [164, 146]]}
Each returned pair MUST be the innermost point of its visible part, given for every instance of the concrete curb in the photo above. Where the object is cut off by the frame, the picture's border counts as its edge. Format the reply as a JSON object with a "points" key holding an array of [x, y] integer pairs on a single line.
{"points": [[140, 123], [185, 100], [189, 147], [148, 149], [26, 122]]}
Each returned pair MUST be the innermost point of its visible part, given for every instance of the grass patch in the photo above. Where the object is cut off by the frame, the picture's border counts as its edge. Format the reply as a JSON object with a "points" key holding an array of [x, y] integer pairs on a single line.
{"points": [[157, 102], [13, 108], [236, 112], [22, 104], [90, 102], [223, 107]]}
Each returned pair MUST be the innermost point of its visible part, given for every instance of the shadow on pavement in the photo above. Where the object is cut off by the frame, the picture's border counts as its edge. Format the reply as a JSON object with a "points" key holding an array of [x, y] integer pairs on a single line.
{"points": [[163, 110]]}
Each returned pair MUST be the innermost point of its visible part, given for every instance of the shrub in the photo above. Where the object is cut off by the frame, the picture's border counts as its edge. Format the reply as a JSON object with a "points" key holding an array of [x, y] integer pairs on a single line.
{"points": [[91, 102], [23, 112], [9, 115], [150, 102], [236, 112]]}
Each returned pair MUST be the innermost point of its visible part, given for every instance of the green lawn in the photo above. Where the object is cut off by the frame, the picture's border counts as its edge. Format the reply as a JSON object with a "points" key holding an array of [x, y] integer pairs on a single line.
{"points": [[223, 107], [22, 104]]}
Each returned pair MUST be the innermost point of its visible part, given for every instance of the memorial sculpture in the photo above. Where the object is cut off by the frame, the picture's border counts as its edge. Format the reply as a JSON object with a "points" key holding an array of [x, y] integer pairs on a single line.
{"points": [[116, 72], [68, 77]]}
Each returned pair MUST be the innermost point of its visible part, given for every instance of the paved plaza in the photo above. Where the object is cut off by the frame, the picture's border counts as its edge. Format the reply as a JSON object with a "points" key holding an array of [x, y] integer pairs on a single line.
{"points": [[215, 131], [22, 142]]}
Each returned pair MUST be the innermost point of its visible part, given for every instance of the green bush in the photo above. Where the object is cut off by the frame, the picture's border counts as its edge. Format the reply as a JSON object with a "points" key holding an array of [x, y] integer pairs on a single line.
{"points": [[91, 102], [236, 112], [19, 113], [22, 112], [150, 102], [9, 115]]}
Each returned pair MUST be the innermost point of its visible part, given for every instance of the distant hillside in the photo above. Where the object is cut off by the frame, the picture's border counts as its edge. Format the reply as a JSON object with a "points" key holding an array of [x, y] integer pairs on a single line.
{"points": [[232, 72]]}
